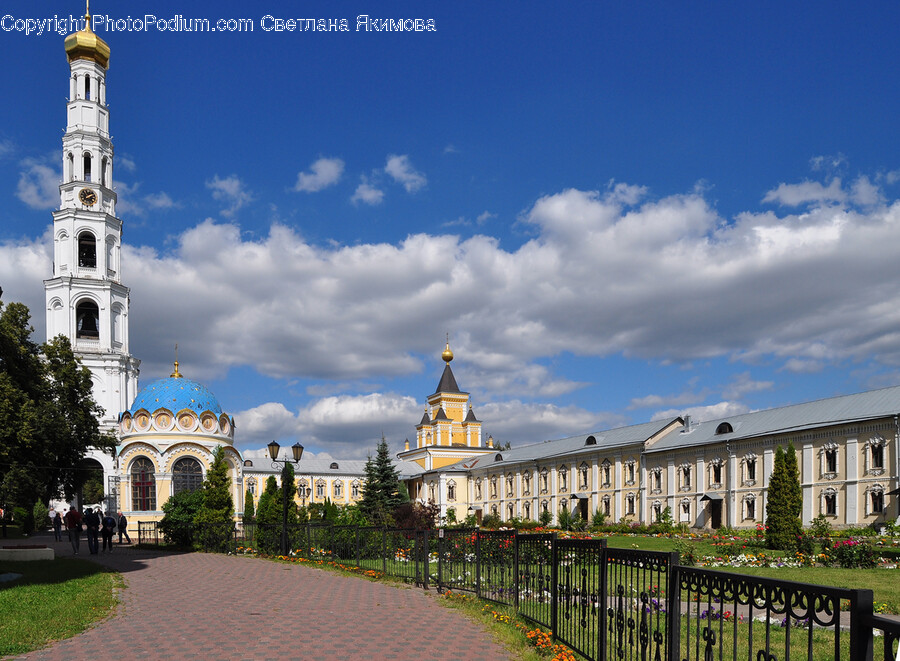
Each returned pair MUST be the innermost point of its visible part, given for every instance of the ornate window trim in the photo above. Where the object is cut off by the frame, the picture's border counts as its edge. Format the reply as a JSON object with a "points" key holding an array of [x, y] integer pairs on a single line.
{"points": [[545, 480], [606, 502], [510, 485], [715, 473], [875, 447], [320, 488], [830, 459], [354, 489], [629, 472], [630, 508], [874, 496], [749, 468], [451, 491], [526, 483], [478, 489], [656, 479], [562, 475], [748, 507], [493, 483], [684, 476], [583, 476], [829, 494], [337, 489], [606, 473], [684, 510]]}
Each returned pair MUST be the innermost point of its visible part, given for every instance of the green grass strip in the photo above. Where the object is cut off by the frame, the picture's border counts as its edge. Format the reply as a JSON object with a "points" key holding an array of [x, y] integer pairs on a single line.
{"points": [[52, 600]]}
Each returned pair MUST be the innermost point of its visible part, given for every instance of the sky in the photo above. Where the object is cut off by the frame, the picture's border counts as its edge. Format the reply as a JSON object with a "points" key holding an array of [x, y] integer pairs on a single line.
{"points": [[619, 212]]}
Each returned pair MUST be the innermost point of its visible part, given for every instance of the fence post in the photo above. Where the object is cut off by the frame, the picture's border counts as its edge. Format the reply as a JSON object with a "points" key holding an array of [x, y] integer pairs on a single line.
{"points": [[554, 585], [440, 570], [425, 559], [384, 551], [357, 547], [516, 570], [477, 563], [861, 611], [673, 607], [603, 600]]}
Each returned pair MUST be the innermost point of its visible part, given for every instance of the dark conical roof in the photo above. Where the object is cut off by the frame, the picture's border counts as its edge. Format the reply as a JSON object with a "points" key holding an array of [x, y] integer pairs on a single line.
{"points": [[441, 415], [470, 416], [448, 381], [425, 419]]}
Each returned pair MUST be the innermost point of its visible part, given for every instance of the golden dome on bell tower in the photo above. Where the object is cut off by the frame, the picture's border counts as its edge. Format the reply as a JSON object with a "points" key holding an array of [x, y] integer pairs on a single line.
{"points": [[447, 355], [85, 45]]}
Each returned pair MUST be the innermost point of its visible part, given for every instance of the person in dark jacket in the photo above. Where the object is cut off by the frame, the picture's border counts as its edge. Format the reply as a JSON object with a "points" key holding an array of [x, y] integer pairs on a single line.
{"points": [[107, 529], [123, 528], [92, 523]]}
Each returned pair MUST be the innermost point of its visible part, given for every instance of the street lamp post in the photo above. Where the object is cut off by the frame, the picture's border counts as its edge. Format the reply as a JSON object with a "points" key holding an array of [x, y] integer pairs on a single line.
{"points": [[297, 449]]}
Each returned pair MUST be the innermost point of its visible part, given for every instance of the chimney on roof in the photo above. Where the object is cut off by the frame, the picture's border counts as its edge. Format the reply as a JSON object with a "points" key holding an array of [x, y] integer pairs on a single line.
{"points": [[687, 424]]}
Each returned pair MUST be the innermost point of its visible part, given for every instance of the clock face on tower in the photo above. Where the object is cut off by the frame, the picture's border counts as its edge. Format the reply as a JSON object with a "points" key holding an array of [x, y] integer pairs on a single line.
{"points": [[87, 197]]}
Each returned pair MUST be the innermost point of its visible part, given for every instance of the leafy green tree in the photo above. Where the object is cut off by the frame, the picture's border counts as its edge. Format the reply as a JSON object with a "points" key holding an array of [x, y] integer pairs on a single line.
{"points": [[215, 518], [783, 504], [249, 510], [179, 512], [92, 490], [381, 492], [48, 418]]}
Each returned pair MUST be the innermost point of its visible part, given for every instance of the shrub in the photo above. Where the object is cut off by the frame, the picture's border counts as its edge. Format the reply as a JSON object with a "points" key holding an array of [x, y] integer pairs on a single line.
{"points": [[545, 518], [598, 519], [41, 515], [177, 524], [491, 521], [24, 519], [851, 554], [820, 527]]}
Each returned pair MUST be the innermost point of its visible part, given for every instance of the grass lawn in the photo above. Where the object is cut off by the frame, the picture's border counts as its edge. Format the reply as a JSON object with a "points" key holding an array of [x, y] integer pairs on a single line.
{"points": [[53, 599]]}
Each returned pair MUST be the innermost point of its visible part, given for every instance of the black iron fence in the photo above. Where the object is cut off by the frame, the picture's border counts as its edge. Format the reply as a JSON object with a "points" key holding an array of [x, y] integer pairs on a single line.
{"points": [[605, 603]]}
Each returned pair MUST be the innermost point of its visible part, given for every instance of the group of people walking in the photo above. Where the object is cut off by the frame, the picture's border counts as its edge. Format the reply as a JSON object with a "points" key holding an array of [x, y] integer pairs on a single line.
{"points": [[97, 528]]}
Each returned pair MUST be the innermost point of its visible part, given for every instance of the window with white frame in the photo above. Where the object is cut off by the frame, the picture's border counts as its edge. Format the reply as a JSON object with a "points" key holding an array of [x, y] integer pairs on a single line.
{"points": [[749, 507], [829, 502], [526, 483], [451, 490], [629, 471], [510, 511], [656, 480], [563, 476], [545, 506], [830, 460], [583, 472], [527, 509], [432, 488], [657, 511], [510, 485], [629, 504], [715, 474], [320, 488], [563, 504], [606, 469], [338, 488], [545, 480], [684, 477], [875, 456], [606, 505], [251, 485], [686, 510], [478, 489], [749, 469], [875, 501], [494, 510], [354, 489], [493, 486]]}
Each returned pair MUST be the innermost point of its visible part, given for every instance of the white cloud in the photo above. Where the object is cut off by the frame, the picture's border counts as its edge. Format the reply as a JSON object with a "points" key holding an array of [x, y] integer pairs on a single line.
{"points": [[402, 171], [704, 413], [38, 185], [126, 163], [323, 173], [484, 216], [23, 265], [367, 193], [653, 401], [743, 384], [523, 423], [7, 148], [130, 202], [792, 195], [231, 191], [865, 193]]}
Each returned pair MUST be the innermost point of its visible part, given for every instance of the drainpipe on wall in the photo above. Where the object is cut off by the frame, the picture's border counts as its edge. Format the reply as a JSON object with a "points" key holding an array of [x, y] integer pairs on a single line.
{"points": [[897, 462]]}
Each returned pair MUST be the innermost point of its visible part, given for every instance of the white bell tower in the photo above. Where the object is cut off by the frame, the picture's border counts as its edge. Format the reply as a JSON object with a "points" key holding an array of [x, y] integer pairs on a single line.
{"points": [[86, 300]]}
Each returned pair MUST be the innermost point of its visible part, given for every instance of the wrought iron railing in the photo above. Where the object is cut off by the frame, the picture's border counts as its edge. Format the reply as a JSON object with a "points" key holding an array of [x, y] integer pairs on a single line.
{"points": [[605, 603]]}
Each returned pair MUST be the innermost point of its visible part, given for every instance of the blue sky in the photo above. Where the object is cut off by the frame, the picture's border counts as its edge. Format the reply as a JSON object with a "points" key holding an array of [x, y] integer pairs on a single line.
{"points": [[618, 211]]}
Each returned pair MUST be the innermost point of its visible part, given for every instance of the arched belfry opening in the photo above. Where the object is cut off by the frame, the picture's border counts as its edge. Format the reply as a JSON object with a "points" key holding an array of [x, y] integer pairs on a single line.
{"points": [[91, 489], [87, 250], [87, 319], [87, 166]]}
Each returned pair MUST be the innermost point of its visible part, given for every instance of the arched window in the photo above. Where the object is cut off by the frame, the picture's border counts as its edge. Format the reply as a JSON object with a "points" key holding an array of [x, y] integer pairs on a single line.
{"points": [[510, 485], [333, 466], [527, 510], [478, 489], [104, 172], [583, 474], [354, 489], [143, 485], [338, 488], [187, 475], [87, 319], [251, 483], [510, 512], [87, 87], [451, 490], [493, 486], [320, 488], [724, 428], [87, 166], [70, 167], [87, 250], [526, 482], [606, 467], [563, 474]]}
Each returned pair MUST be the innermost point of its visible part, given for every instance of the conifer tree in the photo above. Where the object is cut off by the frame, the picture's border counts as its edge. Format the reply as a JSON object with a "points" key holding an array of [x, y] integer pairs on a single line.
{"points": [[214, 520], [783, 502], [381, 493], [249, 510]]}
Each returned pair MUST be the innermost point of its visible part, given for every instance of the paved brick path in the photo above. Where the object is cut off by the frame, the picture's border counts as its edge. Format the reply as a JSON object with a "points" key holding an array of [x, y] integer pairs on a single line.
{"points": [[210, 606]]}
